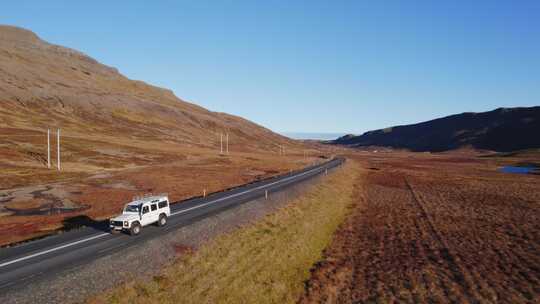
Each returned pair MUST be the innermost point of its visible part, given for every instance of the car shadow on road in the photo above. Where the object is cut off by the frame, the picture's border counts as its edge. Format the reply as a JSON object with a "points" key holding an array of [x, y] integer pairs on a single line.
{"points": [[81, 221]]}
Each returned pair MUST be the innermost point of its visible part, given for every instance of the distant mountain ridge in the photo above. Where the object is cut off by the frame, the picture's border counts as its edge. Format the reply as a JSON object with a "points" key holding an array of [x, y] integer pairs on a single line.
{"points": [[312, 135], [503, 129]]}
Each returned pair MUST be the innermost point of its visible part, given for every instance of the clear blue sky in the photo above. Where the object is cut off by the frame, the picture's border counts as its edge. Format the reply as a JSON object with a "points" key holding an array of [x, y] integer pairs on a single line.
{"points": [[312, 66]]}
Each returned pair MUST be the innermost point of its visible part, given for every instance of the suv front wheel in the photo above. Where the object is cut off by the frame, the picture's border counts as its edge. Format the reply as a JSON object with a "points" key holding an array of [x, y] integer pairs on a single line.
{"points": [[135, 228], [162, 220]]}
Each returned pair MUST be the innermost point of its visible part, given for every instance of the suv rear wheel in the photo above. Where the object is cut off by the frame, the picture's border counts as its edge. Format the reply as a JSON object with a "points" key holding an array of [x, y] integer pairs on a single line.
{"points": [[135, 228], [162, 220]]}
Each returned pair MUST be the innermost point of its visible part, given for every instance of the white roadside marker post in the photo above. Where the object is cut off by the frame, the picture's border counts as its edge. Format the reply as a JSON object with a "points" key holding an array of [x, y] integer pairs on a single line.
{"points": [[227, 143], [204, 193], [266, 194]]}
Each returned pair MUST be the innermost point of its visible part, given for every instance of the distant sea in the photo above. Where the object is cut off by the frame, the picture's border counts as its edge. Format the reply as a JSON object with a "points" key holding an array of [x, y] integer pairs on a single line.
{"points": [[314, 136]]}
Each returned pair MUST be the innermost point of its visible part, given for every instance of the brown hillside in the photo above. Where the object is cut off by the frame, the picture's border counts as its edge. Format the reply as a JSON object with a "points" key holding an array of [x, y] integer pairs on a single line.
{"points": [[120, 138], [44, 85]]}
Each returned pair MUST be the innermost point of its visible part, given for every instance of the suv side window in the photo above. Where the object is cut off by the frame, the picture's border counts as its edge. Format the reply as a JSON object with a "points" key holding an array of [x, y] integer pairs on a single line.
{"points": [[145, 209], [162, 204], [153, 207]]}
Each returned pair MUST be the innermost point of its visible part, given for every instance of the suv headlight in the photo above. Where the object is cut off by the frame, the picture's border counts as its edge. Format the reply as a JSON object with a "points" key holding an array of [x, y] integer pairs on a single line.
{"points": [[126, 223]]}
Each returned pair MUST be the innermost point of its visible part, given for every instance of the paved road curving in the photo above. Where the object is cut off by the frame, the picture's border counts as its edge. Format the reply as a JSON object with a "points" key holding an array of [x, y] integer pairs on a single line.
{"points": [[20, 265]]}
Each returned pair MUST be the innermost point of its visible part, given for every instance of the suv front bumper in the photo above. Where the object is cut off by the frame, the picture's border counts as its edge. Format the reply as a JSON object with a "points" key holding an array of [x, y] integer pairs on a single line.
{"points": [[116, 225]]}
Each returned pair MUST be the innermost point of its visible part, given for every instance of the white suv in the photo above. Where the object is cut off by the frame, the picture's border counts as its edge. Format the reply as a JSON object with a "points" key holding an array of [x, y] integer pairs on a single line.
{"points": [[142, 212]]}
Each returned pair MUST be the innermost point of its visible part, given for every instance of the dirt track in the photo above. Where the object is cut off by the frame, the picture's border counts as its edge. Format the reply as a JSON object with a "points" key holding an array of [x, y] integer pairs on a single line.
{"points": [[435, 229]]}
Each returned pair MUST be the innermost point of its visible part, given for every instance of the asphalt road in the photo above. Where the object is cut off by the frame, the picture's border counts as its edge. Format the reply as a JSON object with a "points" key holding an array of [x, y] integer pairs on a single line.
{"points": [[20, 265]]}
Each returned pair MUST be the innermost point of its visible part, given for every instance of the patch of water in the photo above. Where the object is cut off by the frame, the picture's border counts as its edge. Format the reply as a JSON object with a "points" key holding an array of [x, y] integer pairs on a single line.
{"points": [[518, 170]]}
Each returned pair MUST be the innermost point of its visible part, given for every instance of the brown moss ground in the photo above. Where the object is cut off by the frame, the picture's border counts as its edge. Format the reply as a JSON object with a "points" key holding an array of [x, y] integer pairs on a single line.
{"points": [[442, 228]]}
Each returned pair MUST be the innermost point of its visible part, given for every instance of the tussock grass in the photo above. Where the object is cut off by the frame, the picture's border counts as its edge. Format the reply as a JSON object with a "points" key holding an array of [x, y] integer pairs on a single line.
{"points": [[265, 262]]}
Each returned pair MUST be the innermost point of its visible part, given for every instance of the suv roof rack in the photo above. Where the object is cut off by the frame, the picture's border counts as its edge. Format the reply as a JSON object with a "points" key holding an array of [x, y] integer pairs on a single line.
{"points": [[147, 196]]}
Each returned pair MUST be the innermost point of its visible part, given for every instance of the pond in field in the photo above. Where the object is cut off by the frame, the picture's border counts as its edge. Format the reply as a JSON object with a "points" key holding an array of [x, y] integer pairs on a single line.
{"points": [[518, 170]]}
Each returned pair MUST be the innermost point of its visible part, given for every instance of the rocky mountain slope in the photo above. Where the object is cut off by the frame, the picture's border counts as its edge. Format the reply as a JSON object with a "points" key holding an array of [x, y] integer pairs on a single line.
{"points": [[503, 129]]}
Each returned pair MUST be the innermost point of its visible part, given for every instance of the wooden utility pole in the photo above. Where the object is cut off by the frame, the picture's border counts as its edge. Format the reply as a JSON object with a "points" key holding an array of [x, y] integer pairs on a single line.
{"points": [[58, 148], [221, 143], [227, 143], [49, 148]]}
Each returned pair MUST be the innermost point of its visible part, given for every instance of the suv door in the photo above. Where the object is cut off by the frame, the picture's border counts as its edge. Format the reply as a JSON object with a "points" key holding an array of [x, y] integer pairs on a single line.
{"points": [[154, 212], [146, 217]]}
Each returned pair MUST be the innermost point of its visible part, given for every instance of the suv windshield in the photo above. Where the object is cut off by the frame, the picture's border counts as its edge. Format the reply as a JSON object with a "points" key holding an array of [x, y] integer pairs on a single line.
{"points": [[132, 208]]}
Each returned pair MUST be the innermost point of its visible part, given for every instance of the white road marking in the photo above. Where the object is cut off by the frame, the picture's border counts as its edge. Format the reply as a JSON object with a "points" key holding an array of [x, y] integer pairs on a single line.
{"points": [[172, 214], [53, 249]]}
